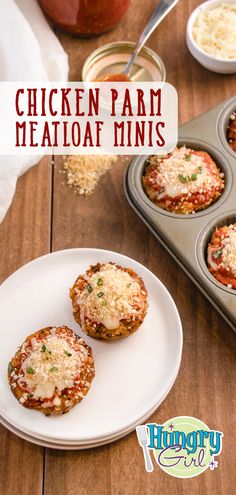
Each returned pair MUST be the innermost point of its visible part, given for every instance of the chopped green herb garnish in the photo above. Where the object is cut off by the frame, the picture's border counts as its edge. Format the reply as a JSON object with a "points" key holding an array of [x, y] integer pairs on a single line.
{"points": [[186, 178], [30, 371], [100, 294], [217, 254], [100, 281], [29, 396], [44, 349], [10, 367], [89, 288], [67, 353], [104, 303], [182, 178], [200, 170], [54, 368], [187, 158], [128, 285]]}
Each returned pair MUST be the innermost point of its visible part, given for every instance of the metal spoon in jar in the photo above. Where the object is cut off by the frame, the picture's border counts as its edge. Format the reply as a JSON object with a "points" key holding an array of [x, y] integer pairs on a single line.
{"points": [[160, 12]]}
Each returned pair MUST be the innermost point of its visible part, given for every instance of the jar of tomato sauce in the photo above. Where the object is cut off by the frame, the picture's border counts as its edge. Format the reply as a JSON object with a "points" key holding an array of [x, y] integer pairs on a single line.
{"points": [[85, 17]]}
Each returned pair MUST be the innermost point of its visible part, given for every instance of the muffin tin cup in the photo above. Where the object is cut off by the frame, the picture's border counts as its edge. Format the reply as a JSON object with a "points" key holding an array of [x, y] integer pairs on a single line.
{"points": [[185, 237], [222, 164], [203, 241], [222, 124]]}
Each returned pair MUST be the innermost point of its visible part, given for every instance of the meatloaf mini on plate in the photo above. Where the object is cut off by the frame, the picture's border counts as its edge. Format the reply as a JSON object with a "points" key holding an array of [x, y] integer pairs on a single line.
{"points": [[184, 181], [51, 371], [221, 255], [109, 301]]}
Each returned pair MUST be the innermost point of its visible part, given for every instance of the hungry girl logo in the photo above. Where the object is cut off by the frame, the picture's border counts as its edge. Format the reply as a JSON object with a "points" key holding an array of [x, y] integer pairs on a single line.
{"points": [[183, 447]]}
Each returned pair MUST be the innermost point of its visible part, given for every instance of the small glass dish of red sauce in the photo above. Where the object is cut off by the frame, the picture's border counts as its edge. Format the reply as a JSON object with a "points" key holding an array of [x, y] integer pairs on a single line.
{"points": [[107, 63]]}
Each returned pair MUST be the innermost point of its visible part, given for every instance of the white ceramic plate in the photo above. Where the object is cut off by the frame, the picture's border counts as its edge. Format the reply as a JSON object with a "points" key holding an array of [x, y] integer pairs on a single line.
{"points": [[72, 445], [55, 445], [133, 375]]}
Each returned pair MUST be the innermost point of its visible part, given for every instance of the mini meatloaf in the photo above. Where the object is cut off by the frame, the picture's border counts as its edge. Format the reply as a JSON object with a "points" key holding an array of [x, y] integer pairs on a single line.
{"points": [[222, 255], [184, 181], [109, 301], [51, 371], [231, 131]]}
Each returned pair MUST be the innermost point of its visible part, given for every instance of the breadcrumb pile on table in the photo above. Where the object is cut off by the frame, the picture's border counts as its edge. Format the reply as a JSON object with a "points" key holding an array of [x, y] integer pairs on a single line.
{"points": [[84, 171]]}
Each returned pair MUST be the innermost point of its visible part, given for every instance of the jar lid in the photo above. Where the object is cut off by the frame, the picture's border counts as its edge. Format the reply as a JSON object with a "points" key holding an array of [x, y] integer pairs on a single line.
{"points": [[113, 57]]}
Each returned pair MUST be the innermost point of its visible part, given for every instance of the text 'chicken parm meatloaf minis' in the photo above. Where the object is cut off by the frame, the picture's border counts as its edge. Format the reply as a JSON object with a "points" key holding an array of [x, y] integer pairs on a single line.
{"points": [[51, 371], [221, 255], [184, 181], [109, 301]]}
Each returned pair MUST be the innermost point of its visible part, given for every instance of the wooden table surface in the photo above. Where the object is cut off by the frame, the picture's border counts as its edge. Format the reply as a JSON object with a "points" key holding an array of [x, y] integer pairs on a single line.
{"points": [[46, 216]]}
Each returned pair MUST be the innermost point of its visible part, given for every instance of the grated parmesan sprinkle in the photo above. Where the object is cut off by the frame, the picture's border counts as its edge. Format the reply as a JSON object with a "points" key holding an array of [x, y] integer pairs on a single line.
{"points": [[52, 364], [84, 171], [214, 31], [110, 296], [184, 173]]}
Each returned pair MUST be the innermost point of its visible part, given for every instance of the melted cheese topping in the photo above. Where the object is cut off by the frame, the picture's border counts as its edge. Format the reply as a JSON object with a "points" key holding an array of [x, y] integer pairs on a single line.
{"points": [[183, 173], [229, 250], [110, 296], [215, 31], [52, 364]]}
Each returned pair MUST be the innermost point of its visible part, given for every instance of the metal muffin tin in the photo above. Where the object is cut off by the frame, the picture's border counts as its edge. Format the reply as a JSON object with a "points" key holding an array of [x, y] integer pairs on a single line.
{"points": [[186, 237]]}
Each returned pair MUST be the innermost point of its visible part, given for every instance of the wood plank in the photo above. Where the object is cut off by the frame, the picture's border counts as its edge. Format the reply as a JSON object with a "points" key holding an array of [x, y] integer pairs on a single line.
{"points": [[24, 235], [25, 230], [21, 465], [106, 221]]}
